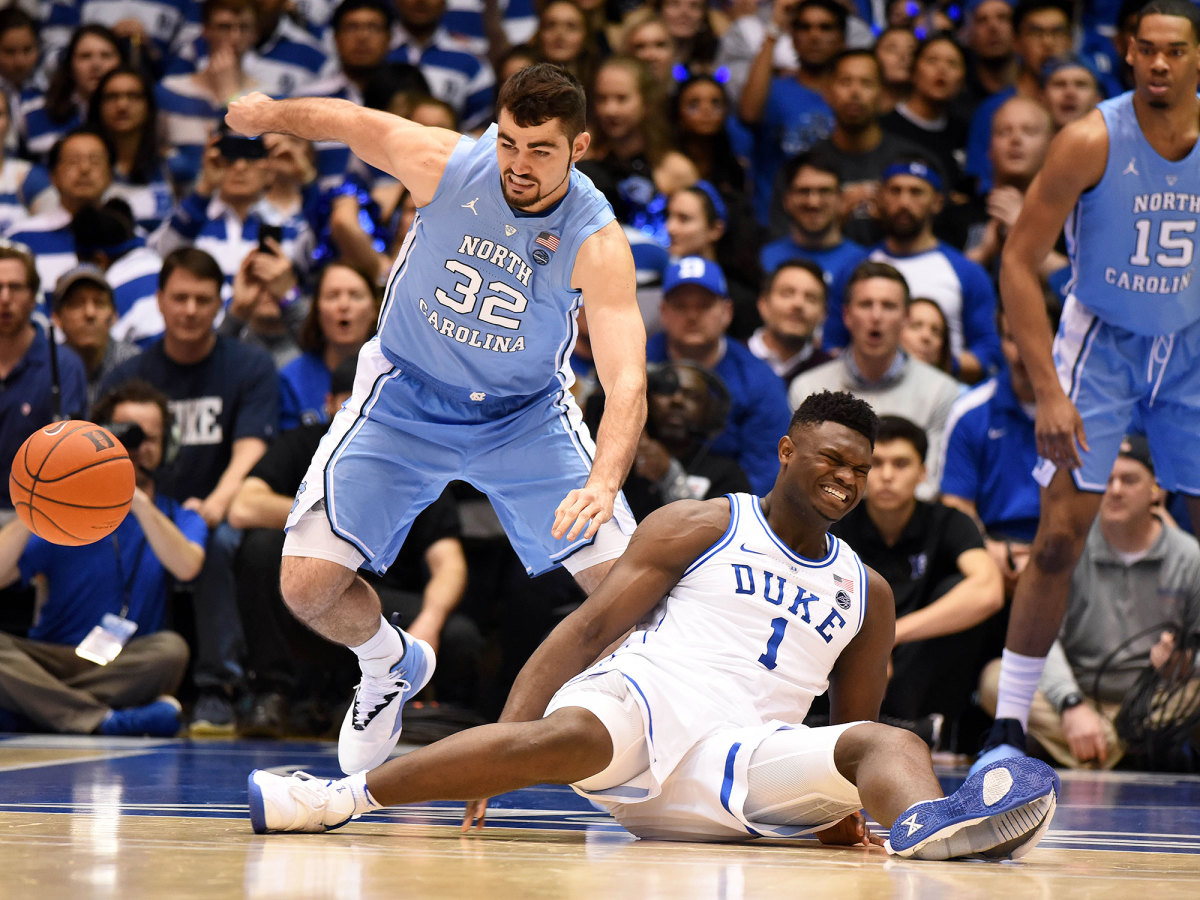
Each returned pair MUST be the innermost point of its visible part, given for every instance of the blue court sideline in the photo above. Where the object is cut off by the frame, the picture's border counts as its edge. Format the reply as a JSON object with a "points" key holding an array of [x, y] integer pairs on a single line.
{"points": [[142, 777]]}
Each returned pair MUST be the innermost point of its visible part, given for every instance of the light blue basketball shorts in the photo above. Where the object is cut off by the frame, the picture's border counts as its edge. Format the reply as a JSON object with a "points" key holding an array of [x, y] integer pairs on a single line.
{"points": [[1120, 382], [401, 438]]}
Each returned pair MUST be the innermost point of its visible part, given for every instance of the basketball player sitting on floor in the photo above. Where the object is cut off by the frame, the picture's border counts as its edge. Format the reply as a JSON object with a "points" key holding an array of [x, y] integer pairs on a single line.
{"points": [[756, 595]]}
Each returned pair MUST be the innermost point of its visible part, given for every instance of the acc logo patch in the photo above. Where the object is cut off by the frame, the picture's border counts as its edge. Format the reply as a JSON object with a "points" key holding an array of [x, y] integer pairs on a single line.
{"points": [[540, 256], [842, 599]]}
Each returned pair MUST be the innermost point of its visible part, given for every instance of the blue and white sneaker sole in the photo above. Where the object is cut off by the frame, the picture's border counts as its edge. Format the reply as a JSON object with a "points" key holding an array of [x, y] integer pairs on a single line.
{"points": [[996, 754], [1016, 800], [258, 812]]}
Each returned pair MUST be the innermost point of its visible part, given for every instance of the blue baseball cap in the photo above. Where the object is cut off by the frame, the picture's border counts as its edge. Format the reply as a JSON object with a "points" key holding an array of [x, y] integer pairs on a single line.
{"points": [[695, 270]]}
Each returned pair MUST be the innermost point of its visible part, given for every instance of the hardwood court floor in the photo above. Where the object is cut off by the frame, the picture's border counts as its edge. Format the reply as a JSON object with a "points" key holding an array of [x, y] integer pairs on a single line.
{"points": [[92, 817]]}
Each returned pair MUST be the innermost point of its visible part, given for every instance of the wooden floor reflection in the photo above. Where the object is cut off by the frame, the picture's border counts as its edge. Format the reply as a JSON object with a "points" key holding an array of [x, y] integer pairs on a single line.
{"points": [[167, 819]]}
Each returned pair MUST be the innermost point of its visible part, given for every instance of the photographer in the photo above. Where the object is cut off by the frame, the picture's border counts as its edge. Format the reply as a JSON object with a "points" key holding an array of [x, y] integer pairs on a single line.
{"points": [[54, 680], [686, 408]]}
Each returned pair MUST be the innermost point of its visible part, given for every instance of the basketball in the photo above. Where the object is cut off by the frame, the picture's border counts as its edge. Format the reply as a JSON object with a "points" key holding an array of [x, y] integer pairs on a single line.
{"points": [[71, 483]]}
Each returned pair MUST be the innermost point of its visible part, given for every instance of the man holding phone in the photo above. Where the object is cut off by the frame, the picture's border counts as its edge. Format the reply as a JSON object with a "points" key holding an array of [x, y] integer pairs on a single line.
{"points": [[227, 216]]}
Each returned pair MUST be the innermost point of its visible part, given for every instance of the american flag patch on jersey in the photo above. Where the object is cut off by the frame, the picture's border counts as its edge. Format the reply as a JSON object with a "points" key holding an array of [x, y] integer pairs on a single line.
{"points": [[547, 240], [846, 583]]}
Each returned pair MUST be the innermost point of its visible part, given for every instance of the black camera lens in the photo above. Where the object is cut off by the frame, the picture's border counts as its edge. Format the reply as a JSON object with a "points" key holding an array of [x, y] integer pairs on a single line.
{"points": [[130, 434]]}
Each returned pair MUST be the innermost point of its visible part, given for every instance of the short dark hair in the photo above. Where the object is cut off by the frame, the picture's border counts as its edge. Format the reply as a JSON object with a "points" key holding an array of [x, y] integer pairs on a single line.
{"points": [[541, 92], [830, 6], [873, 269], [23, 255], [13, 17], [820, 160], [1026, 8], [81, 131], [193, 261], [856, 53], [135, 390], [234, 6], [348, 6], [1184, 9], [841, 407], [812, 268], [898, 428]]}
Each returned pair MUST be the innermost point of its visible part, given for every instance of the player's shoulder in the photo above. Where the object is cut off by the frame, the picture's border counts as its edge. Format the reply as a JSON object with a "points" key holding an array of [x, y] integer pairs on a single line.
{"points": [[688, 526], [1087, 136]]}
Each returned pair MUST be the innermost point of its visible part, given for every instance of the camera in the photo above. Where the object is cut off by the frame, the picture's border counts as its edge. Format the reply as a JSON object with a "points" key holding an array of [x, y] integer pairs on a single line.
{"points": [[234, 146], [130, 435]]}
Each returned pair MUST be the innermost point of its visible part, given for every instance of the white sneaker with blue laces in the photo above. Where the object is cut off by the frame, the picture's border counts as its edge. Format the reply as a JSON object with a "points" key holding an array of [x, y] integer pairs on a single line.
{"points": [[298, 802], [372, 724], [1000, 812]]}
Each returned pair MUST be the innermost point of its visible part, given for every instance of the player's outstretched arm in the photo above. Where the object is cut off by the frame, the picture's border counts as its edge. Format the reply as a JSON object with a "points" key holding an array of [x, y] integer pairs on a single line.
{"points": [[604, 271], [413, 153], [1074, 163], [859, 677]]}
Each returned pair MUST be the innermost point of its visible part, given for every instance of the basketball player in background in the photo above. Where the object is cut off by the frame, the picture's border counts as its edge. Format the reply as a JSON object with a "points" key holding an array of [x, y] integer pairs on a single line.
{"points": [[690, 729], [468, 377], [1128, 343]]}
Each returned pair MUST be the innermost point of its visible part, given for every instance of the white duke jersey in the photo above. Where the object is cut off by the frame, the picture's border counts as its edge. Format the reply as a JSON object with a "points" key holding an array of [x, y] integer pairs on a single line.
{"points": [[480, 297], [1132, 238], [748, 636]]}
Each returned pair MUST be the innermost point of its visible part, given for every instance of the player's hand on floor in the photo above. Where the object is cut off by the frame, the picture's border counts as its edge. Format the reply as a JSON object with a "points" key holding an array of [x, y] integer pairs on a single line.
{"points": [[584, 508], [852, 831], [474, 815]]}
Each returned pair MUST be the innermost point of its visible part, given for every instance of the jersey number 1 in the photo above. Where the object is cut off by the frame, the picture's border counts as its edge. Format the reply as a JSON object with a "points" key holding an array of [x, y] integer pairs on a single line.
{"points": [[778, 627]]}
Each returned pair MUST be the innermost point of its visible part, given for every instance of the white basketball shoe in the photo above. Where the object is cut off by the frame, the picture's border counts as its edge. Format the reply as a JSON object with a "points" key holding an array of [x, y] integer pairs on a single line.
{"points": [[372, 724], [299, 802]]}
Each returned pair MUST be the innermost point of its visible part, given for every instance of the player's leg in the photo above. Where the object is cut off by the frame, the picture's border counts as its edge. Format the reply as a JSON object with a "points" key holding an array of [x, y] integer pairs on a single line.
{"points": [[999, 813], [1039, 604], [567, 746]]}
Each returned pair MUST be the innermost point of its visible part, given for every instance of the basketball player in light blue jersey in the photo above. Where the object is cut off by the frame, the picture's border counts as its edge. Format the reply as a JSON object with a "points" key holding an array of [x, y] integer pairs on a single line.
{"points": [[728, 617], [1126, 181], [469, 375]]}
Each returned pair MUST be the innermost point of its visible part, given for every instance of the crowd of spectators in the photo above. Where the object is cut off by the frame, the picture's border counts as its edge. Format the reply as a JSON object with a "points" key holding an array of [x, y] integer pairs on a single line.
{"points": [[817, 193]]}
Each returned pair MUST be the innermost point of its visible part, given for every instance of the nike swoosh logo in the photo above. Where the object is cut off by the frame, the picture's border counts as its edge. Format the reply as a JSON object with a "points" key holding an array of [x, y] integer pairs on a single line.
{"points": [[746, 549]]}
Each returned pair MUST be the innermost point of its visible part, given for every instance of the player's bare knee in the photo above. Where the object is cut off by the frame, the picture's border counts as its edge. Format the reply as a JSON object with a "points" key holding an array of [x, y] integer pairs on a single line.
{"points": [[1058, 550], [309, 587], [871, 739]]}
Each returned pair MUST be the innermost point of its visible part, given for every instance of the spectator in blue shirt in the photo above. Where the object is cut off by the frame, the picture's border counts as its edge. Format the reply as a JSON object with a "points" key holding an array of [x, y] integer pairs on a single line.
{"points": [[812, 201], [340, 319], [27, 400], [990, 451], [696, 311], [42, 679], [1043, 30], [791, 114]]}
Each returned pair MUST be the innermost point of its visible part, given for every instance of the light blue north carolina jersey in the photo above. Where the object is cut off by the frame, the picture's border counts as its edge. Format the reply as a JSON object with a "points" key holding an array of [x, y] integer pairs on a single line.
{"points": [[1132, 238], [480, 298]]}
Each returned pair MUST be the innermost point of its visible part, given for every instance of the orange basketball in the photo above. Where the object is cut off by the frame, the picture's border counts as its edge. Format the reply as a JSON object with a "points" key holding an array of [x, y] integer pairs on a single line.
{"points": [[71, 483]]}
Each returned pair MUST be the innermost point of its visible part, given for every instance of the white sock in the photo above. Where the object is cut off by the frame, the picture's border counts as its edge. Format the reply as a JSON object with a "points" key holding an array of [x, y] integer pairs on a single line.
{"points": [[381, 652], [1019, 677], [363, 801]]}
